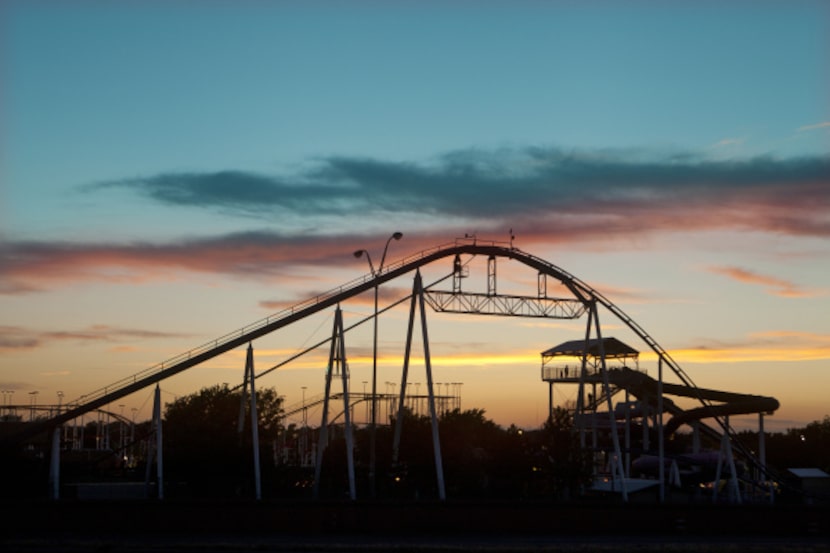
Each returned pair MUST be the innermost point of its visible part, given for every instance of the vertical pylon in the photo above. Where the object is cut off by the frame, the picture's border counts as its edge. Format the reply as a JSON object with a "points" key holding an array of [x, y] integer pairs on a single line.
{"points": [[617, 470], [248, 381], [579, 417], [337, 363], [661, 445], [725, 457], [159, 449], [418, 302], [55, 463]]}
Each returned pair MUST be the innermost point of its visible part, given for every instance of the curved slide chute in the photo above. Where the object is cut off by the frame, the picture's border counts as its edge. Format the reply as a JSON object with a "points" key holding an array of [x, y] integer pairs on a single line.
{"points": [[729, 403]]}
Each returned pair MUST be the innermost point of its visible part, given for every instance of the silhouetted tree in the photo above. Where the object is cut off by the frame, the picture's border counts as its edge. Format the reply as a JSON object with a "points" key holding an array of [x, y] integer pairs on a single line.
{"points": [[808, 446], [204, 450], [563, 465]]}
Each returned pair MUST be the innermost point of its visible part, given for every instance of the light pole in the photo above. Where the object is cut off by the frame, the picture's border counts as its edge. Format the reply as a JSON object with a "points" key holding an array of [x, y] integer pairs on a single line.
{"points": [[374, 409], [32, 405], [305, 420]]}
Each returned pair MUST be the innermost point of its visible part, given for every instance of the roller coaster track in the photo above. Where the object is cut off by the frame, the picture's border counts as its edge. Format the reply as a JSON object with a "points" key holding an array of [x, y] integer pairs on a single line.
{"points": [[148, 377]]}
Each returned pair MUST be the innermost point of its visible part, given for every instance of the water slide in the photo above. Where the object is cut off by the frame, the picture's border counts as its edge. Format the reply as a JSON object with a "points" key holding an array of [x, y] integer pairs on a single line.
{"points": [[729, 403]]}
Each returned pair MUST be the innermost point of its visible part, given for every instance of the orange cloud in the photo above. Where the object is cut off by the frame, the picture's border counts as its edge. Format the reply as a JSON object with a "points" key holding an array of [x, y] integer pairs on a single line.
{"points": [[386, 295], [775, 286], [597, 224], [13, 338], [777, 346]]}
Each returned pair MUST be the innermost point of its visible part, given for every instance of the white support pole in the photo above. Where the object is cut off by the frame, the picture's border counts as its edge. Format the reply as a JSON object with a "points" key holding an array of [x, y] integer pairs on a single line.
{"points": [[55, 464], [661, 451], [436, 443], [617, 461], [674, 474], [159, 450], [627, 435], [725, 456], [716, 484], [579, 416], [762, 457], [762, 447], [240, 421], [249, 376], [344, 373], [730, 457], [324, 423], [396, 442]]}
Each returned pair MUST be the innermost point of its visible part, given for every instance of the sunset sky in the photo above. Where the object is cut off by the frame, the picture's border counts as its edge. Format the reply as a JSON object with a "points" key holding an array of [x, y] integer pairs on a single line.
{"points": [[171, 171]]}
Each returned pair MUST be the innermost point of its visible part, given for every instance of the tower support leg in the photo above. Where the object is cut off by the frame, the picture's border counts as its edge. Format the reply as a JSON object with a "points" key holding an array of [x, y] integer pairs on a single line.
{"points": [[55, 464], [418, 296], [661, 450], [159, 448], [249, 377], [616, 461], [337, 361]]}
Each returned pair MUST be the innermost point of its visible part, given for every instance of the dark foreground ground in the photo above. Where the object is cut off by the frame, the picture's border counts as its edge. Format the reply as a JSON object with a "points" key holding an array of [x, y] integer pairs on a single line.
{"points": [[171, 526]]}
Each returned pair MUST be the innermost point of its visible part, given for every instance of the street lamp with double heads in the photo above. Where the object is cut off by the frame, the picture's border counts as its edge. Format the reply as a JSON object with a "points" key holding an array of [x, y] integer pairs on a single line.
{"points": [[373, 421]]}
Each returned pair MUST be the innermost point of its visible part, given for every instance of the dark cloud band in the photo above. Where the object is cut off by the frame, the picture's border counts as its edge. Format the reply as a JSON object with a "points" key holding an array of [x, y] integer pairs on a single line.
{"points": [[501, 183]]}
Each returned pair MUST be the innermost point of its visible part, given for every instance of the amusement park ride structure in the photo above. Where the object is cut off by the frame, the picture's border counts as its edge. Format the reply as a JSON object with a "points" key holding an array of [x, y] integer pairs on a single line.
{"points": [[586, 363]]}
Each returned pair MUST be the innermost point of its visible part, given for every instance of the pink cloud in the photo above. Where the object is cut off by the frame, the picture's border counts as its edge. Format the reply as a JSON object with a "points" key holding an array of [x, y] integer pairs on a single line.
{"points": [[775, 286], [14, 338], [600, 222]]}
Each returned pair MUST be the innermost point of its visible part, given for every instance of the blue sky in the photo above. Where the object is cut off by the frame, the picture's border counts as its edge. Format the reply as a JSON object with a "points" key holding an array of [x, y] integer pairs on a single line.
{"points": [[222, 157]]}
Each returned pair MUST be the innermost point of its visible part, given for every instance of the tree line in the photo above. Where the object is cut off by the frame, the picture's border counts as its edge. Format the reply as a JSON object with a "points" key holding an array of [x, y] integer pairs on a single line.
{"points": [[206, 455]]}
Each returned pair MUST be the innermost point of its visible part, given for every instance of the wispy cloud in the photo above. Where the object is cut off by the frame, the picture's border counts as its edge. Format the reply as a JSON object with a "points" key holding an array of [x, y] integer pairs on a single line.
{"points": [[775, 286], [29, 266], [823, 125], [14, 338], [771, 346], [726, 142]]}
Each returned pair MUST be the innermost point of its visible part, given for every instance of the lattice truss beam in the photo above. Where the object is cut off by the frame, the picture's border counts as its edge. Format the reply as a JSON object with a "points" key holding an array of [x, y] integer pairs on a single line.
{"points": [[506, 305]]}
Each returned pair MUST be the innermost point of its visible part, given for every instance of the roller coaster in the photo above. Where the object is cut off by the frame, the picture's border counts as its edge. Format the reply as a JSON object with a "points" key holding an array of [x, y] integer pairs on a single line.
{"points": [[595, 416]]}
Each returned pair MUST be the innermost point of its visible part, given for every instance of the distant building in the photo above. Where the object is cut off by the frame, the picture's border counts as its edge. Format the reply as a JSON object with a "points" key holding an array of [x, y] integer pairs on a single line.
{"points": [[814, 482]]}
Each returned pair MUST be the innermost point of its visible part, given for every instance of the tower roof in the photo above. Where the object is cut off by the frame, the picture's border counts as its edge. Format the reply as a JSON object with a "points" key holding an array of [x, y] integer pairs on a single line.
{"points": [[575, 348]]}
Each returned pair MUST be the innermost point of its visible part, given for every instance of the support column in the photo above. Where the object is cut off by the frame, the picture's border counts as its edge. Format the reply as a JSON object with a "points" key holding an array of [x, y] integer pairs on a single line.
{"points": [[725, 456], [617, 463], [550, 399], [660, 438], [627, 435], [579, 416], [396, 441], [491, 275], [436, 443], [55, 464], [418, 295], [762, 457], [159, 449], [347, 419], [249, 372], [336, 361]]}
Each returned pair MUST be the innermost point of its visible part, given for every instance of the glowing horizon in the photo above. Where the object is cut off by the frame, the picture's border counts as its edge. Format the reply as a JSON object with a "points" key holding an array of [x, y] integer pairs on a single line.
{"points": [[148, 207]]}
